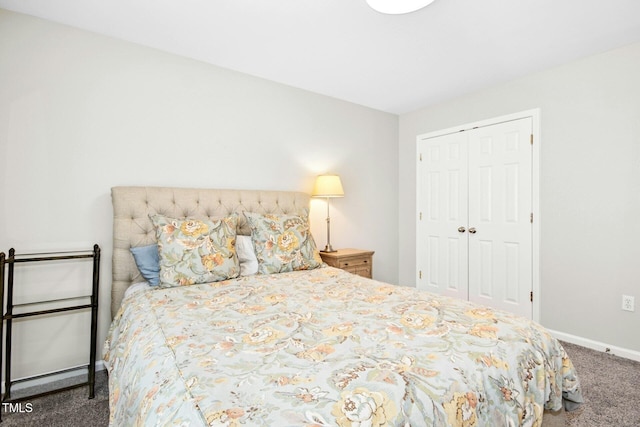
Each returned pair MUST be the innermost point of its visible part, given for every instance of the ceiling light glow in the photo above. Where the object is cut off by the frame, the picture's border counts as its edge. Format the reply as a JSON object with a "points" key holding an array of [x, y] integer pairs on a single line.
{"points": [[397, 7]]}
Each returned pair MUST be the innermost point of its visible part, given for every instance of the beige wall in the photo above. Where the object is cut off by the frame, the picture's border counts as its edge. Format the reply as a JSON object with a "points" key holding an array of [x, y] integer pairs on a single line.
{"points": [[589, 188], [80, 113]]}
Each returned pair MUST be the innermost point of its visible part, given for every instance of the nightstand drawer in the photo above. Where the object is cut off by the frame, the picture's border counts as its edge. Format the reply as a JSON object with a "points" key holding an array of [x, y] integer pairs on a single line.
{"points": [[354, 261], [364, 271]]}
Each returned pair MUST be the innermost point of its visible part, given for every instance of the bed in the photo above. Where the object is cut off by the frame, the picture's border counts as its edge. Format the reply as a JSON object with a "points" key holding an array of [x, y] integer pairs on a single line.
{"points": [[310, 345]]}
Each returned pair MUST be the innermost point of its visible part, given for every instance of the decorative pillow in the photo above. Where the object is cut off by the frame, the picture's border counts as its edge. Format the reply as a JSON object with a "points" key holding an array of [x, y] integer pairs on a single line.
{"points": [[282, 243], [148, 262], [246, 256], [196, 251]]}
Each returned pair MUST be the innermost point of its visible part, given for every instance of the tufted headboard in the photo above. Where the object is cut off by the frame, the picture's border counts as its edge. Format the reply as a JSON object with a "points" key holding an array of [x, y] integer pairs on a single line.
{"points": [[132, 226]]}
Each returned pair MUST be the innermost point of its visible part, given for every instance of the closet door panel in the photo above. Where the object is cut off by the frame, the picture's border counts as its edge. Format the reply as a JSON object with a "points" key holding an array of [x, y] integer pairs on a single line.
{"points": [[442, 204], [500, 198]]}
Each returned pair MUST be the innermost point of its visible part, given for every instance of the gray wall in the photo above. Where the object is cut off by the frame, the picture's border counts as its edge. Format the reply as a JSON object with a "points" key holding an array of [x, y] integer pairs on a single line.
{"points": [[80, 113], [589, 188]]}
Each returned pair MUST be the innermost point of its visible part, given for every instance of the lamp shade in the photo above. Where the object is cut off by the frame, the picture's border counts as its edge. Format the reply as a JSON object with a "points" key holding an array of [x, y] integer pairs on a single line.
{"points": [[328, 186]]}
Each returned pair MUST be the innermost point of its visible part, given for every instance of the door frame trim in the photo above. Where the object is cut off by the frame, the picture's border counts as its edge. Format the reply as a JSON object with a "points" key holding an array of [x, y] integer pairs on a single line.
{"points": [[534, 114]]}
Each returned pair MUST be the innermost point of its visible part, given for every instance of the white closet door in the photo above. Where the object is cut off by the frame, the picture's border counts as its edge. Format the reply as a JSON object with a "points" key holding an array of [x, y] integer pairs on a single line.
{"points": [[500, 206], [442, 248], [474, 200]]}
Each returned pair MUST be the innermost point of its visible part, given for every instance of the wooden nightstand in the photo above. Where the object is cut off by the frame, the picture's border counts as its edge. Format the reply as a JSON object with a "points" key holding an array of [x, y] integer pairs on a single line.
{"points": [[356, 261]]}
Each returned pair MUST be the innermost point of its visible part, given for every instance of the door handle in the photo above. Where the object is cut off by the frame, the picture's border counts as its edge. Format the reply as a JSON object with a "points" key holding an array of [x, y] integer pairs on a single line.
{"points": [[472, 230], [461, 230]]}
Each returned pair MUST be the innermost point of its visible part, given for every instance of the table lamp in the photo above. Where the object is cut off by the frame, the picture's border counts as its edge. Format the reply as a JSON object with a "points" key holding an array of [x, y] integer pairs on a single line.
{"points": [[328, 186]]}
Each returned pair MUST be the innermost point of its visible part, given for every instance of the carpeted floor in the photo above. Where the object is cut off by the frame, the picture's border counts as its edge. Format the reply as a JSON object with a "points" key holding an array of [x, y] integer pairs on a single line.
{"points": [[70, 408], [610, 386]]}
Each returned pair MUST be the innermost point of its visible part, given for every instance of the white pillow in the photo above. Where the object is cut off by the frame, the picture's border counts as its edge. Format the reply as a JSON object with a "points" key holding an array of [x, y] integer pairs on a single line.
{"points": [[246, 256]]}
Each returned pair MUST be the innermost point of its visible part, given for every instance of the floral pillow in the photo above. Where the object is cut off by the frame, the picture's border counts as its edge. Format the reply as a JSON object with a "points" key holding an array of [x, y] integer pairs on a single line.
{"points": [[282, 243], [196, 251]]}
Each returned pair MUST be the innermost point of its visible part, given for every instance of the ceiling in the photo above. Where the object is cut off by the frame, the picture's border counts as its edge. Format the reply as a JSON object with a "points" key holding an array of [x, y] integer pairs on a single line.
{"points": [[343, 49]]}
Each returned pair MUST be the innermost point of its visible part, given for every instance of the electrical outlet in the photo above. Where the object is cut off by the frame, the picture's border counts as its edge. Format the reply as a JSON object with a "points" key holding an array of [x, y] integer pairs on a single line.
{"points": [[628, 303]]}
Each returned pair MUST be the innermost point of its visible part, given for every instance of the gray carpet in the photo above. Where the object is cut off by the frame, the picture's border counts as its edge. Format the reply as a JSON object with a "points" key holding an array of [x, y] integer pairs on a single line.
{"points": [[71, 408], [610, 386]]}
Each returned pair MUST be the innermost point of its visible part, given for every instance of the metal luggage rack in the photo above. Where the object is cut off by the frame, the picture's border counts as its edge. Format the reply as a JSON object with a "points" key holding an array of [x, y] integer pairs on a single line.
{"points": [[7, 266]]}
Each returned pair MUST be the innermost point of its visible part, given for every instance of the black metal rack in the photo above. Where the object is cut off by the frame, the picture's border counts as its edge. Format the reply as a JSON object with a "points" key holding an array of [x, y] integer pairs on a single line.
{"points": [[7, 265]]}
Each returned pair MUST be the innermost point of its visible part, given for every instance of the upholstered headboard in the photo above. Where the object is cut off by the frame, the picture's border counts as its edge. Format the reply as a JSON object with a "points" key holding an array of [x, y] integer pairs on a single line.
{"points": [[132, 226]]}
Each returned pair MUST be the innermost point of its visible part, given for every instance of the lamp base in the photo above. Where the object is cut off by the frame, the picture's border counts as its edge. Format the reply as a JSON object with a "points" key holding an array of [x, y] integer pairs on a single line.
{"points": [[328, 248]]}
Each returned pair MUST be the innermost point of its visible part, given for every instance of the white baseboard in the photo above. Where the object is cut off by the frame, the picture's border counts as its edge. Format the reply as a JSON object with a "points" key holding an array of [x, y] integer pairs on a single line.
{"points": [[596, 345], [82, 370]]}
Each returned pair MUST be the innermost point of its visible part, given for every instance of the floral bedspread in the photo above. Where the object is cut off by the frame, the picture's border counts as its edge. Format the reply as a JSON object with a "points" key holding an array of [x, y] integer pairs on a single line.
{"points": [[327, 348]]}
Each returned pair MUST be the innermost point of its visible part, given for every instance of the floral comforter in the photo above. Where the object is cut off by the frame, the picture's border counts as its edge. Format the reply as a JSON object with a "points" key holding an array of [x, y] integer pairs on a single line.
{"points": [[327, 348]]}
